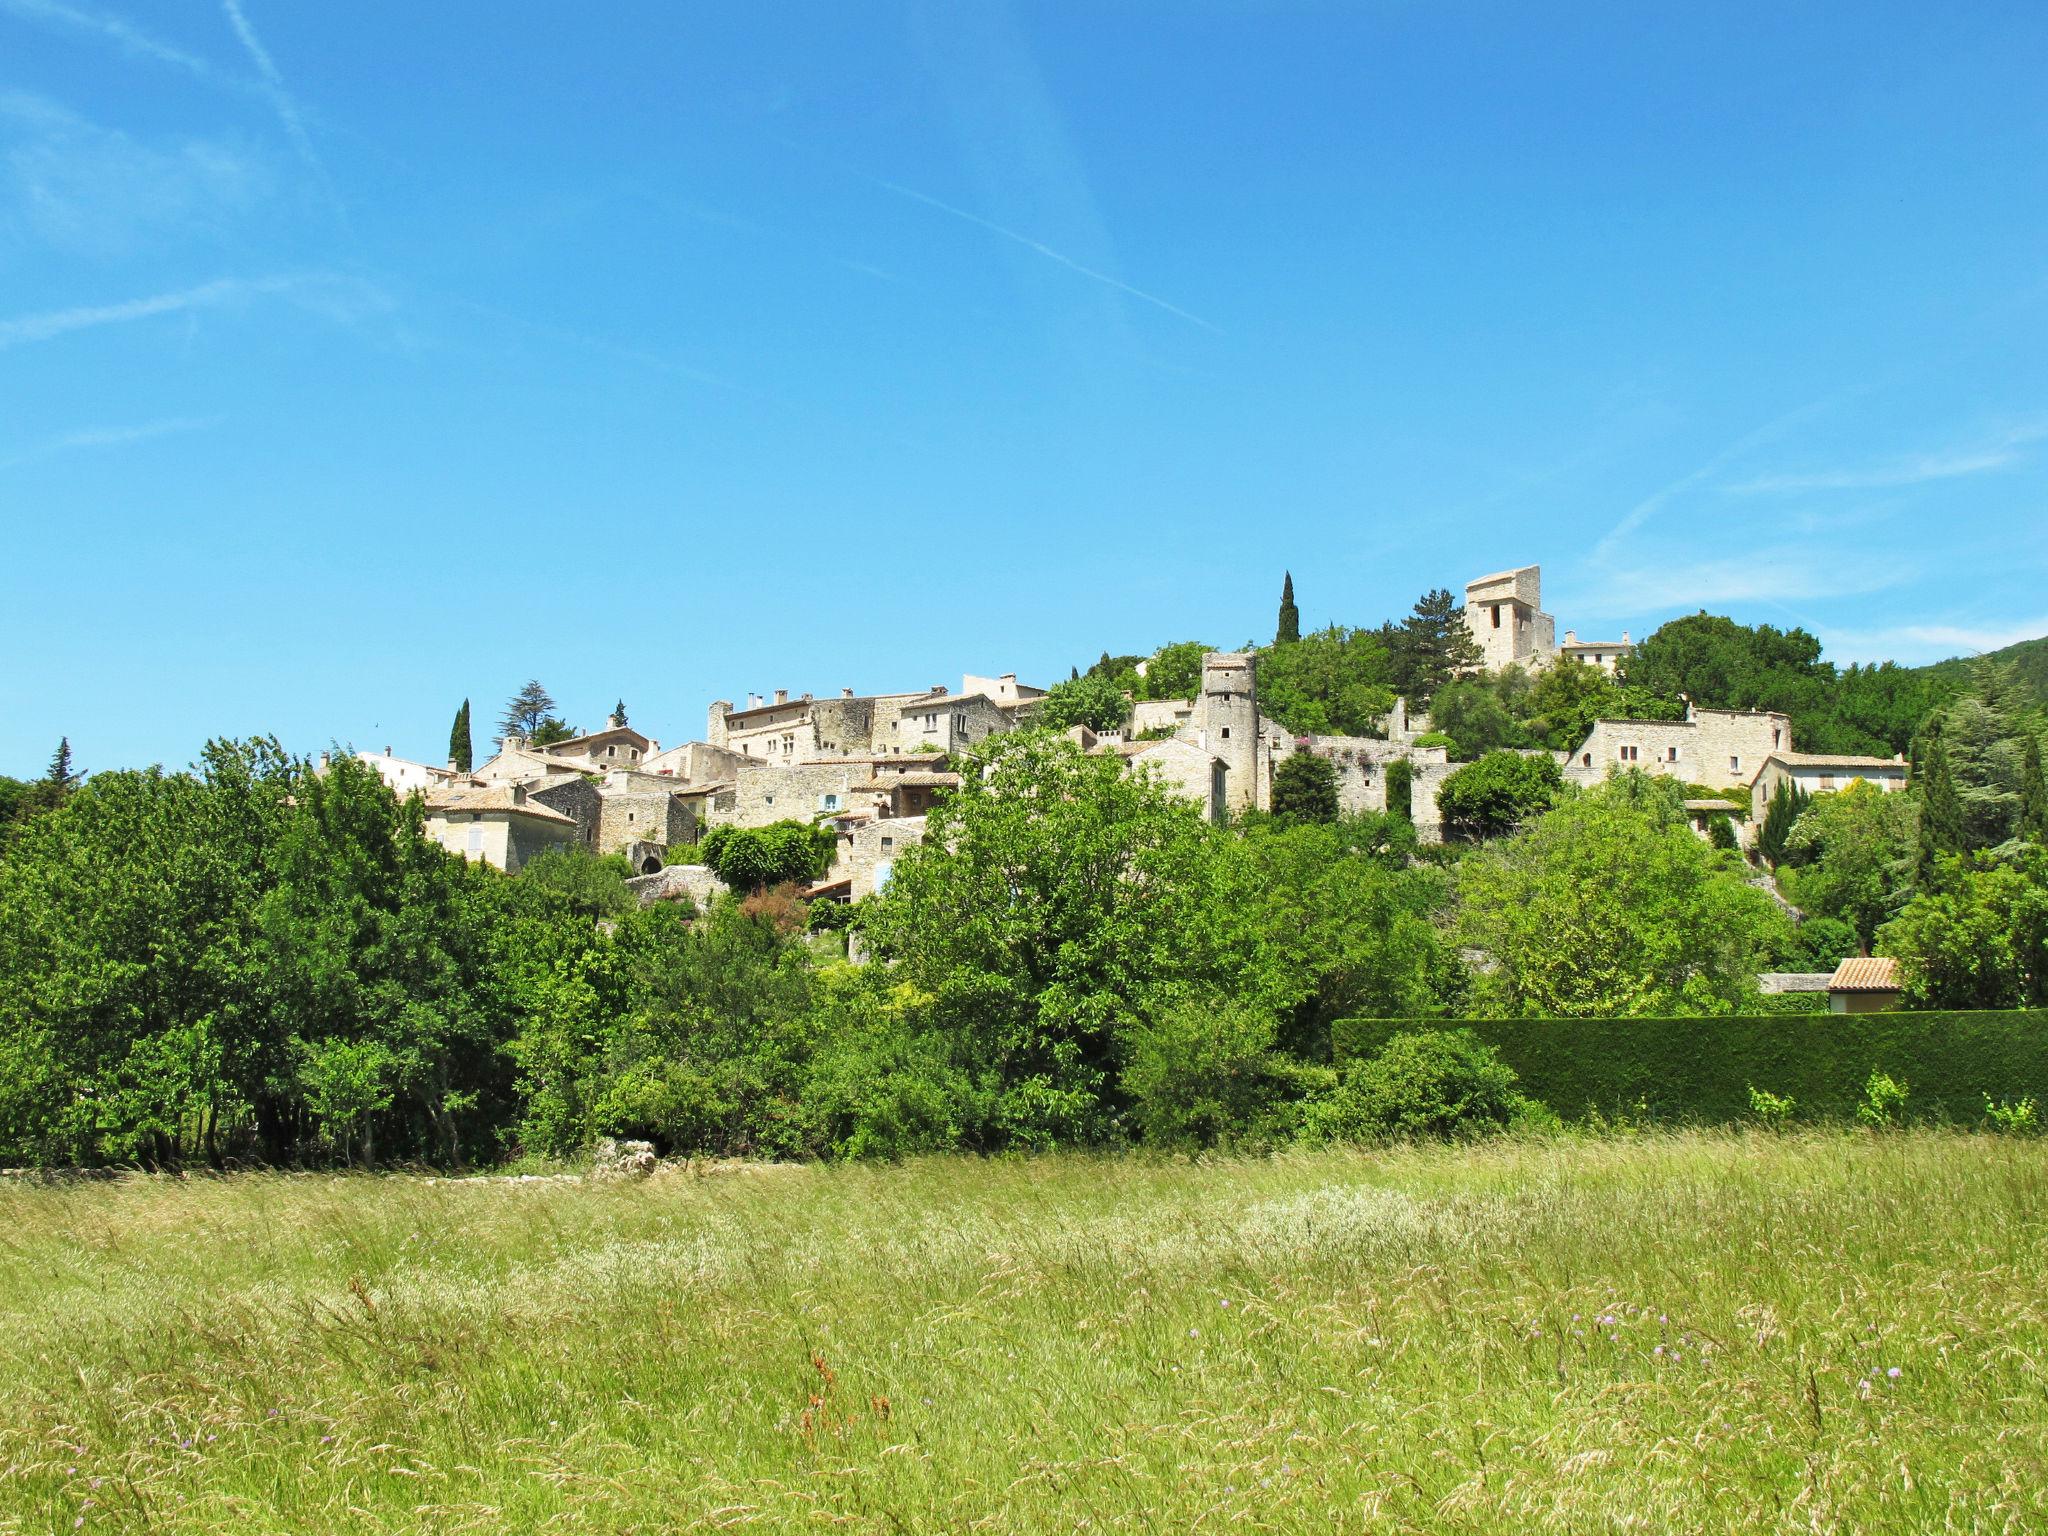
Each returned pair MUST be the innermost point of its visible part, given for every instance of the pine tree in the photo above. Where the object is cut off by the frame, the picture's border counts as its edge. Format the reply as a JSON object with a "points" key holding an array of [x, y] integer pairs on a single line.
{"points": [[1430, 647], [460, 751], [2033, 794], [1290, 616], [527, 710], [1941, 809], [1786, 802], [619, 713], [60, 779]]}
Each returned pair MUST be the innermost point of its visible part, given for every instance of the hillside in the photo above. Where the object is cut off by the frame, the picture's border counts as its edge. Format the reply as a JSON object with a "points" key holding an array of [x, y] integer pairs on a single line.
{"points": [[2028, 660]]}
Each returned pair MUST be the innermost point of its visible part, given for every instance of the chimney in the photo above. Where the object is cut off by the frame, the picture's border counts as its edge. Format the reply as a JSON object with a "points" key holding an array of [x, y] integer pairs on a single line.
{"points": [[324, 759], [519, 794], [387, 751], [782, 695], [846, 693], [754, 701], [1624, 637], [1571, 637], [451, 766]]}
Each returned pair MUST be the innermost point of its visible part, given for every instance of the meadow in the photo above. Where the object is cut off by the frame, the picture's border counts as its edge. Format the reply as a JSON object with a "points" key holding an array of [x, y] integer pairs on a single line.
{"points": [[1688, 1332]]}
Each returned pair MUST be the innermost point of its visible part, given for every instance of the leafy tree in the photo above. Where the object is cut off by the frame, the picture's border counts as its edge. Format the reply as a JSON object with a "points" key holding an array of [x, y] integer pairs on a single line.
{"points": [[1401, 789], [1288, 630], [1570, 695], [526, 710], [1850, 856], [17, 799], [586, 884], [1095, 701], [1430, 647], [1472, 715], [1978, 939], [1057, 904], [1332, 682], [1819, 944], [1174, 672], [1198, 1074], [1497, 793], [1305, 788], [1608, 906], [551, 730], [460, 751], [754, 858]]}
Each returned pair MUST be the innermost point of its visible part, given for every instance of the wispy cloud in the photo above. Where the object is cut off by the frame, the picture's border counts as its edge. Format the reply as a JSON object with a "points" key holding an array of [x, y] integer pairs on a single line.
{"points": [[95, 191], [281, 99], [2002, 450], [126, 36], [337, 297], [1786, 573], [109, 437], [1046, 251], [1929, 642]]}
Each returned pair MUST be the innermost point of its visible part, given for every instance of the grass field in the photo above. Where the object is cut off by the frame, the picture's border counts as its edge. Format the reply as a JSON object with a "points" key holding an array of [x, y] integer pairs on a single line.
{"points": [[1692, 1333]]}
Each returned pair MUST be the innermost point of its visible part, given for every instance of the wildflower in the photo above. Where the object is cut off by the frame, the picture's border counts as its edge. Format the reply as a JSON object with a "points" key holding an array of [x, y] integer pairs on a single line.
{"points": [[1894, 1373], [327, 1439], [1194, 1333], [1863, 1387], [1662, 1318], [1658, 1350], [1226, 1302]]}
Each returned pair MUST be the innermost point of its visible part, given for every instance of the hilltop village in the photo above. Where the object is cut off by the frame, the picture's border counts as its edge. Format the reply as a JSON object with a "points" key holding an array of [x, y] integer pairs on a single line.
{"points": [[870, 767]]}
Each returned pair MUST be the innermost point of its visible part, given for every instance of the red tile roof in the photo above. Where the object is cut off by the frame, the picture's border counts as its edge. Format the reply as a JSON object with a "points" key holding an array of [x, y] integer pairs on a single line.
{"points": [[1877, 973]]}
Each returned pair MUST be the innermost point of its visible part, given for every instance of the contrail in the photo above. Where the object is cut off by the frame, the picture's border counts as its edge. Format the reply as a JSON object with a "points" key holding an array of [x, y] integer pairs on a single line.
{"points": [[110, 437], [280, 99], [114, 30], [1046, 251]]}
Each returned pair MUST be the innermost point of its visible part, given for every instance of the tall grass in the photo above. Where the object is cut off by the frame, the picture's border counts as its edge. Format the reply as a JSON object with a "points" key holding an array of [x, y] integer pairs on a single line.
{"points": [[1686, 1333]]}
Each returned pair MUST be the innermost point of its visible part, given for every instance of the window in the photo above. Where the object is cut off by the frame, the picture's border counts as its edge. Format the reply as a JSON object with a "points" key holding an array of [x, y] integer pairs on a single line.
{"points": [[1671, 754], [888, 843], [1774, 737], [1628, 754], [1586, 760], [1735, 765], [1827, 782], [611, 751], [931, 723], [1496, 615], [629, 818], [476, 838], [1226, 733], [770, 799], [828, 802]]}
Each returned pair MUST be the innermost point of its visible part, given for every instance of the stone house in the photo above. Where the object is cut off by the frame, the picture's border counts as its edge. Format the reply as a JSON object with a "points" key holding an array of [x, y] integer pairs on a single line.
{"points": [[1604, 654], [804, 729], [943, 722], [404, 776], [576, 796], [1720, 748], [499, 824], [1817, 773], [644, 808], [1193, 772], [1504, 612]]}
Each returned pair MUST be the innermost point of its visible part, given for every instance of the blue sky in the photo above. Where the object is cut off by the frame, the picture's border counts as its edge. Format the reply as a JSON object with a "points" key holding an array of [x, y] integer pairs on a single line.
{"points": [[356, 359]]}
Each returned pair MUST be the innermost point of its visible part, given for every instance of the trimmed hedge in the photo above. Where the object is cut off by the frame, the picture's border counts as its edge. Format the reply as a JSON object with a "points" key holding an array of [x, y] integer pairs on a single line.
{"points": [[1701, 1069]]}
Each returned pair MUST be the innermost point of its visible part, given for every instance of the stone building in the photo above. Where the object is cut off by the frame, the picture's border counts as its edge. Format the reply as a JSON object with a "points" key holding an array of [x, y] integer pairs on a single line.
{"points": [[1504, 612], [498, 823], [1720, 748], [404, 776], [1818, 773], [644, 808], [1604, 654], [805, 729]]}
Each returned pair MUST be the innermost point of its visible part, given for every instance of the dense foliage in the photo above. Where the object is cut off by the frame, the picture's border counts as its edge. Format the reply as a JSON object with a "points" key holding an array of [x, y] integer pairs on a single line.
{"points": [[1497, 794]]}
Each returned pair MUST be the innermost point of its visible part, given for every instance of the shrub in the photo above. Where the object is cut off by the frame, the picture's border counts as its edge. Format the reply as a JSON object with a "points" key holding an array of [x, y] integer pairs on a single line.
{"points": [[1721, 832], [1819, 944], [1305, 787], [2014, 1119], [1496, 794], [1203, 1072], [753, 858], [1437, 739], [1773, 1110], [1884, 1100], [1430, 1083]]}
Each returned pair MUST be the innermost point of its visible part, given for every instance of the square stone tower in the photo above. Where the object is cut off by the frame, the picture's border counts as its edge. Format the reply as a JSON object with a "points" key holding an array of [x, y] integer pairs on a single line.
{"points": [[1505, 613], [1227, 715]]}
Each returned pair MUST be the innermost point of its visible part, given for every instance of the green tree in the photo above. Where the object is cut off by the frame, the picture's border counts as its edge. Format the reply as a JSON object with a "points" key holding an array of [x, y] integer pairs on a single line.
{"points": [[619, 713], [460, 750], [17, 799], [1331, 682], [1305, 788], [2033, 815], [1850, 856], [1608, 906], [526, 710], [1941, 809], [754, 858], [1430, 647], [587, 885], [1174, 672], [1095, 701], [1780, 812], [1288, 630], [1473, 716], [1497, 793], [1570, 695], [1979, 939], [550, 731], [1056, 905]]}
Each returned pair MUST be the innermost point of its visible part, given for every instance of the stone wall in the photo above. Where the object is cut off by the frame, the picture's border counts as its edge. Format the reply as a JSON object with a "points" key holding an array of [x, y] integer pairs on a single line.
{"points": [[1720, 748], [573, 795]]}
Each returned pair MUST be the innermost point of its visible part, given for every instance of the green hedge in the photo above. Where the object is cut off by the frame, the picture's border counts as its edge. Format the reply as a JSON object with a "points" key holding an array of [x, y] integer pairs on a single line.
{"points": [[1701, 1069]]}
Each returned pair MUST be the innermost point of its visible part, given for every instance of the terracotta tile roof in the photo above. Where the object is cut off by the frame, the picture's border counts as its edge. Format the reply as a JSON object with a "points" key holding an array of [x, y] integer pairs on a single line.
{"points": [[1877, 973]]}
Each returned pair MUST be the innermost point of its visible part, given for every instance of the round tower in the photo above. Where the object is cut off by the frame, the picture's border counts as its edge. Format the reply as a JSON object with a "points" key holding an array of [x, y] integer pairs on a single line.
{"points": [[1230, 723]]}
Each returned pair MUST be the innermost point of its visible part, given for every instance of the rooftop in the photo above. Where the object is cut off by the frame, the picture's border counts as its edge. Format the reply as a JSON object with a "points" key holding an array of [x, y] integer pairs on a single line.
{"points": [[1833, 760], [501, 799], [1861, 973]]}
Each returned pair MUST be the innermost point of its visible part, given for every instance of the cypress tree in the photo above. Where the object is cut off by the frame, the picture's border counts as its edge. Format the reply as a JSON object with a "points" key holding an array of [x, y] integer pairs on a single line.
{"points": [[460, 752], [1785, 805], [1290, 616], [1941, 809], [60, 779], [619, 713], [2033, 794]]}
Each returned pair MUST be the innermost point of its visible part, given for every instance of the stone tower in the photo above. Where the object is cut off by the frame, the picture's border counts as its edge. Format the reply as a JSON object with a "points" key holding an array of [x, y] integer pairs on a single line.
{"points": [[1229, 715]]}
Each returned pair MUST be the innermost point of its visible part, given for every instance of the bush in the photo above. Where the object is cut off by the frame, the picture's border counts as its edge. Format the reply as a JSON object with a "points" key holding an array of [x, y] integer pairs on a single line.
{"points": [[1430, 1083], [753, 858], [2014, 1119], [1497, 794], [1884, 1100], [1774, 1110], [1305, 788], [1819, 944], [1205, 1072]]}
